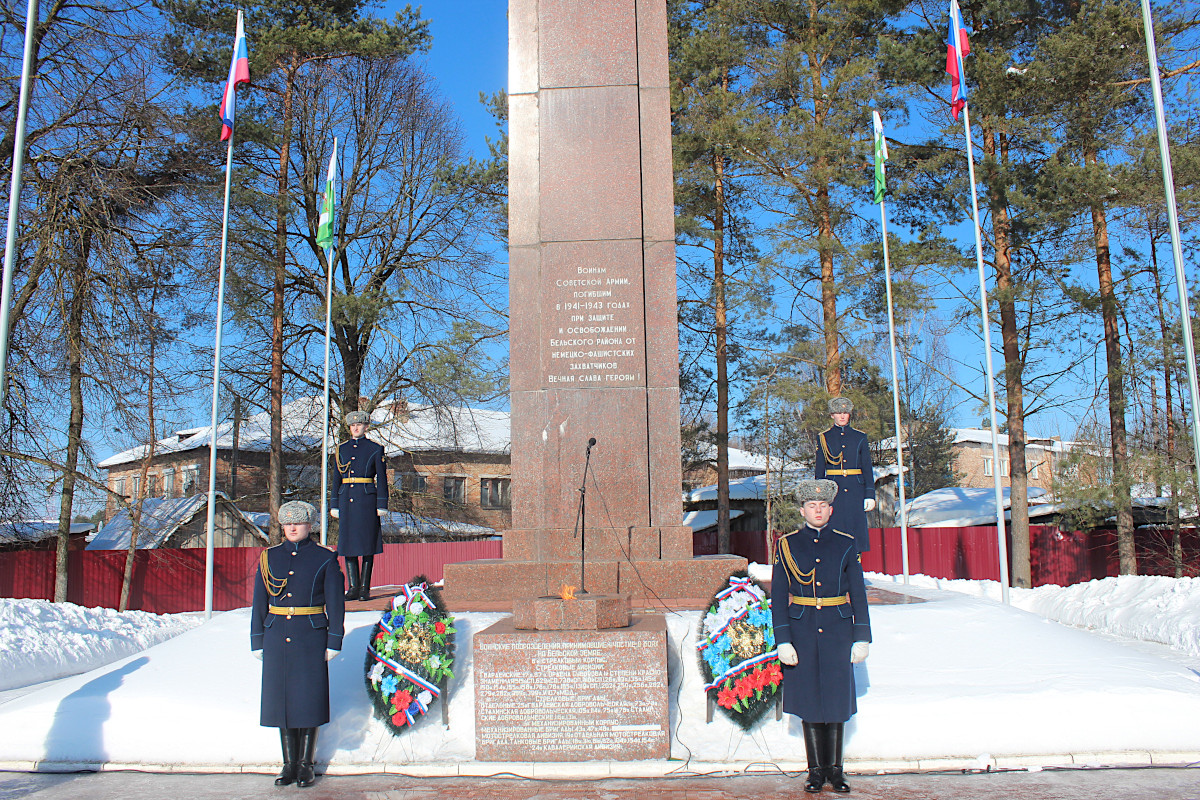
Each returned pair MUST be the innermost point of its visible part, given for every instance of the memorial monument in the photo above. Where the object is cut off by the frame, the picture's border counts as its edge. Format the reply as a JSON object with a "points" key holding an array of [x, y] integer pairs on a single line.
{"points": [[592, 304]]}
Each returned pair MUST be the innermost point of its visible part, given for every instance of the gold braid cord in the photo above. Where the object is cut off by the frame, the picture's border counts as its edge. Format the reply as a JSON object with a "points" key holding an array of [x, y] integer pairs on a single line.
{"points": [[829, 459], [789, 564], [273, 584], [337, 459]]}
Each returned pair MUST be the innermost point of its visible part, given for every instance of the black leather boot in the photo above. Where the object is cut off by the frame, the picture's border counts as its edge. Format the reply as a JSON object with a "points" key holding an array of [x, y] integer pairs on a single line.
{"points": [[833, 750], [814, 749], [305, 775], [287, 738], [365, 592], [352, 577]]}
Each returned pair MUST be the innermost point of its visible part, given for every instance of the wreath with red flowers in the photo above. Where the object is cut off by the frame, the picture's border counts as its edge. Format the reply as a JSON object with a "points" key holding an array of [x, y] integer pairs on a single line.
{"points": [[410, 656], [736, 648]]}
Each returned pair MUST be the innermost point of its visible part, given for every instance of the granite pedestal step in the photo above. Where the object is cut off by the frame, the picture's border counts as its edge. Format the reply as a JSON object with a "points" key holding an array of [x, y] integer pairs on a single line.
{"points": [[493, 584]]}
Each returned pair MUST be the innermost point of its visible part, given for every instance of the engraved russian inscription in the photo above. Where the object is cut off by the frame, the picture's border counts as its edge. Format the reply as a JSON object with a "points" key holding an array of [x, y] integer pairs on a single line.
{"points": [[570, 695]]}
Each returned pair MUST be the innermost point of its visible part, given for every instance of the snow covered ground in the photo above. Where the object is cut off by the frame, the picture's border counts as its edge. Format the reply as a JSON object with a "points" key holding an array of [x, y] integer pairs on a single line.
{"points": [[40, 641], [956, 677]]}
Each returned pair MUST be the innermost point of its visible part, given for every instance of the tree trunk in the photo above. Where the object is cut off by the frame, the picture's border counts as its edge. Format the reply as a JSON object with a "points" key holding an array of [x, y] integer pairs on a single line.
{"points": [[1116, 389], [135, 530], [1013, 366], [275, 471], [829, 314], [75, 426], [720, 329]]}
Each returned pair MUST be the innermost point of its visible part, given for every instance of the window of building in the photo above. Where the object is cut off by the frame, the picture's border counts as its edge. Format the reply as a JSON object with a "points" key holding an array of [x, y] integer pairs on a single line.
{"points": [[119, 486], [151, 486], [987, 467], [411, 482], [190, 479], [1004, 468], [454, 489], [135, 486], [494, 493], [168, 482], [1033, 470]]}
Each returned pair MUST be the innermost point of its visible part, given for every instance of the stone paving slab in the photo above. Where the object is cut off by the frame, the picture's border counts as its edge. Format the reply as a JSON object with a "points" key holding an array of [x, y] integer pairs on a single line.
{"points": [[1069, 784]]}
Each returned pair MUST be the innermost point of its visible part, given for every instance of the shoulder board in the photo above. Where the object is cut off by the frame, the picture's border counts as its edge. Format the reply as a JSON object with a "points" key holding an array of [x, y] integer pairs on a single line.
{"points": [[842, 533], [272, 547]]}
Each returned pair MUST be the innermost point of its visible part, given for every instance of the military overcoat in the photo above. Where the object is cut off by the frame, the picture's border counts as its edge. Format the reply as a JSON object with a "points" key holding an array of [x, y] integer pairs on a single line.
{"points": [[819, 564], [844, 457], [360, 489], [295, 678]]}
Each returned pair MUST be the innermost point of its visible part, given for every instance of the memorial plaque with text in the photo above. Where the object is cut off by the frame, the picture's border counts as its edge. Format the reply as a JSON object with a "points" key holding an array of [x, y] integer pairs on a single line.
{"points": [[572, 695]]}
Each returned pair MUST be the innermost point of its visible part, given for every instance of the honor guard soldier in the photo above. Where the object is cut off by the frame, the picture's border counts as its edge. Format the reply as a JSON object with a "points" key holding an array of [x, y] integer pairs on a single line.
{"points": [[296, 625], [819, 612], [844, 458], [359, 498]]}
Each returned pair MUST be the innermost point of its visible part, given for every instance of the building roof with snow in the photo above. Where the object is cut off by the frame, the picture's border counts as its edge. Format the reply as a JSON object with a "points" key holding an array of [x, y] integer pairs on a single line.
{"points": [[162, 518], [413, 429], [37, 530], [754, 487]]}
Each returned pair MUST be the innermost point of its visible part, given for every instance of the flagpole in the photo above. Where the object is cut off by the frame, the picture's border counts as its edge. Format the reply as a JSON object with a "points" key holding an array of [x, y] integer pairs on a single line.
{"points": [[212, 448], [1164, 149], [329, 257], [14, 195], [887, 274], [1001, 536]]}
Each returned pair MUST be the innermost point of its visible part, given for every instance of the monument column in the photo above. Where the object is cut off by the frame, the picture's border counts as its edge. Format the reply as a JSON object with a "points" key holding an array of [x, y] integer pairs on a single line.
{"points": [[592, 306]]}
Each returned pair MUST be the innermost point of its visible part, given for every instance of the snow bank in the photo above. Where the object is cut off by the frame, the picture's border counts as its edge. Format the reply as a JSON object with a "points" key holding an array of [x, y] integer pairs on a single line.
{"points": [[1149, 608], [40, 640]]}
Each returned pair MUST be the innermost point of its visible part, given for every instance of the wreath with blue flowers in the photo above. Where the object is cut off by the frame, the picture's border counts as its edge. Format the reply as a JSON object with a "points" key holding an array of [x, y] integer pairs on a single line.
{"points": [[410, 656], [736, 648]]}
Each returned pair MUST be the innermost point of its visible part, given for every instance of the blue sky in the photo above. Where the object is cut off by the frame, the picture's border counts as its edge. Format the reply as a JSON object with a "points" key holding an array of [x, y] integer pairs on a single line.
{"points": [[469, 56]]}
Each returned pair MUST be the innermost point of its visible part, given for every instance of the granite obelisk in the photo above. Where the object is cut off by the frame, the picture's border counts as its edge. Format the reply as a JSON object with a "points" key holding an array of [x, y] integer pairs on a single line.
{"points": [[592, 302]]}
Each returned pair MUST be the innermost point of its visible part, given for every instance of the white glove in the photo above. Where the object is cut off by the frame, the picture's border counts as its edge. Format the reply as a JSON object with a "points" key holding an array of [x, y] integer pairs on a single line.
{"points": [[331, 653], [257, 654], [333, 512], [858, 653], [787, 654], [868, 504], [381, 511]]}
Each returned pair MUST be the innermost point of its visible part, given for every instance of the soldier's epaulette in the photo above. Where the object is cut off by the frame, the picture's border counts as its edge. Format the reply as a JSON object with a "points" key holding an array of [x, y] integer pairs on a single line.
{"points": [[841, 533]]}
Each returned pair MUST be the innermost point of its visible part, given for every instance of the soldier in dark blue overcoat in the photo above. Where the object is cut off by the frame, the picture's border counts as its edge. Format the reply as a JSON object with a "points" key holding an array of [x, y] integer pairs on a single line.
{"points": [[819, 612], [296, 625], [844, 457], [359, 498]]}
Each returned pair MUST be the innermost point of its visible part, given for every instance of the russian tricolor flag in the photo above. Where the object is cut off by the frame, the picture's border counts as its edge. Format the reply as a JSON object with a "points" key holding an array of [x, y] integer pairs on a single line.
{"points": [[239, 72], [957, 46]]}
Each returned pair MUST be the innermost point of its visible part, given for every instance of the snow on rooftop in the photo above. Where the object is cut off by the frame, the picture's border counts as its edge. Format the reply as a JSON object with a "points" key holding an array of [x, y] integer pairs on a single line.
{"points": [[36, 530], [960, 506], [702, 520], [754, 487], [424, 427], [160, 518]]}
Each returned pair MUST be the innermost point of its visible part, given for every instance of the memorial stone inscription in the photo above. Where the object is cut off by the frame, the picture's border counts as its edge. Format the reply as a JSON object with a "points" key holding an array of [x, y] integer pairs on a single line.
{"points": [[571, 695], [596, 336]]}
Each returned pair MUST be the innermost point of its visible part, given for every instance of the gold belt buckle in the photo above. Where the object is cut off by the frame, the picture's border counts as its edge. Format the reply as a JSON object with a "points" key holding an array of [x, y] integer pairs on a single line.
{"points": [[818, 602], [289, 614]]}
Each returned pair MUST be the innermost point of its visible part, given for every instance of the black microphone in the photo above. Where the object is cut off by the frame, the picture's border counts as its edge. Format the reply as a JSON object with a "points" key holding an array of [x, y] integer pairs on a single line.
{"points": [[592, 442]]}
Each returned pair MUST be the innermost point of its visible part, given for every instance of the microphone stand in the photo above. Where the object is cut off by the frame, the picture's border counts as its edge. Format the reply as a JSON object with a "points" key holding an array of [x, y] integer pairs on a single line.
{"points": [[587, 459]]}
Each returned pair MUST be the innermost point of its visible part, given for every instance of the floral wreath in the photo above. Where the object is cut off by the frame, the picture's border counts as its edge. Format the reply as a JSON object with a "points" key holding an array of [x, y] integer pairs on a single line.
{"points": [[736, 648], [410, 656]]}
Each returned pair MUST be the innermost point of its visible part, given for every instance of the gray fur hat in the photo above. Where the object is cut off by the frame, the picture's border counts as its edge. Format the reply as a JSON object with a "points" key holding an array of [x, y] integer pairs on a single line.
{"points": [[840, 405], [296, 512], [807, 491], [358, 417]]}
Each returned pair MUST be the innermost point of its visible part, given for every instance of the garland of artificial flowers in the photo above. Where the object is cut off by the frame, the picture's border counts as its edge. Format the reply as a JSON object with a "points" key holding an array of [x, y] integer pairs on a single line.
{"points": [[736, 648], [410, 656]]}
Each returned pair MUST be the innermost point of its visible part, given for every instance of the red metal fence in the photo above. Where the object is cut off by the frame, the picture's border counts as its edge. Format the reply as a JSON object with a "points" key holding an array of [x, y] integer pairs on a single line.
{"points": [[171, 581]]}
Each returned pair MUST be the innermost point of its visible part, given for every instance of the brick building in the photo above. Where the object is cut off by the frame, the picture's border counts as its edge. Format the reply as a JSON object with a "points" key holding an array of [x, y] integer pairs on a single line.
{"points": [[974, 462], [444, 463]]}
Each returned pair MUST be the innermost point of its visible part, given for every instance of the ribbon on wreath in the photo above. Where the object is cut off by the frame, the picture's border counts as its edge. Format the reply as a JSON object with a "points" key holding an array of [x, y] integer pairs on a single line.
{"points": [[412, 592], [405, 672], [736, 583], [738, 669]]}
